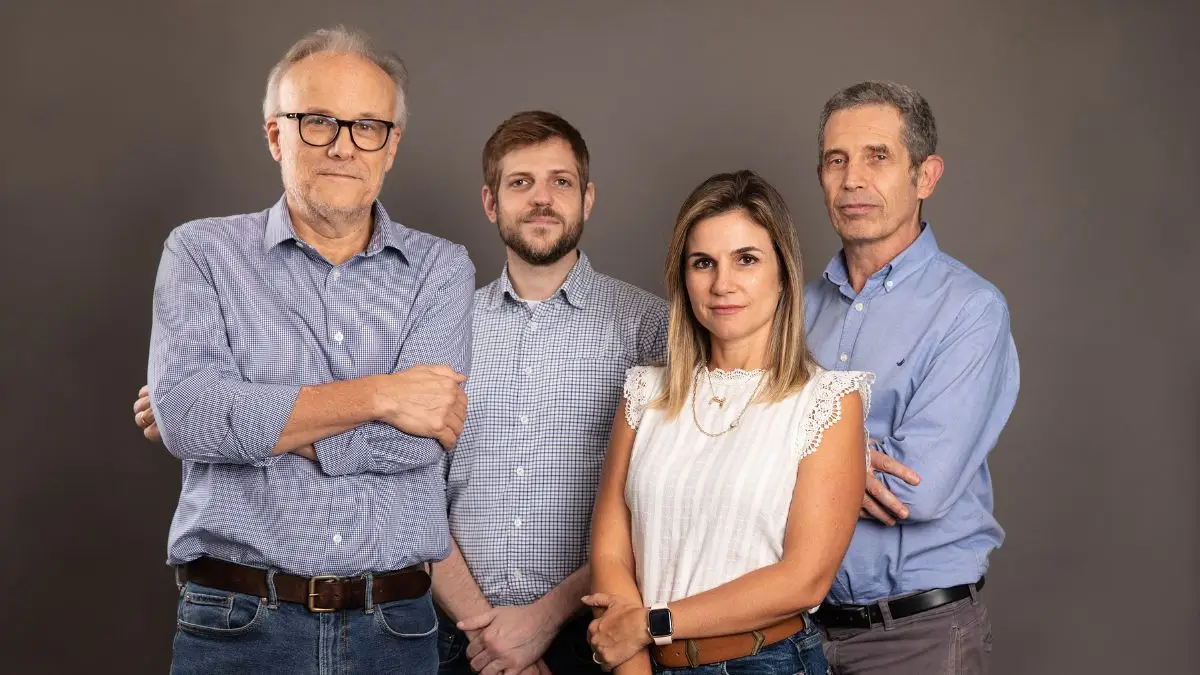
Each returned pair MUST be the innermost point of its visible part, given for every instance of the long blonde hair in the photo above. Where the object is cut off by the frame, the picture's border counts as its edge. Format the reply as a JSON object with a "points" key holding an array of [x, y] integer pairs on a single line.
{"points": [[789, 365]]}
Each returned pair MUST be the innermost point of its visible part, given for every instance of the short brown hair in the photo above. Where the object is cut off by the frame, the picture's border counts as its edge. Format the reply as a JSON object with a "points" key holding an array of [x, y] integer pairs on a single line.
{"points": [[530, 128], [790, 365]]}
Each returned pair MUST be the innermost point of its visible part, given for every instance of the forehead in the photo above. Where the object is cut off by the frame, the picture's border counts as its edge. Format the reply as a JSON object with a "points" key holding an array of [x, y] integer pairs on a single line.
{"points": [[550, 156], [727, 232], [344, 85], [864, 125]]}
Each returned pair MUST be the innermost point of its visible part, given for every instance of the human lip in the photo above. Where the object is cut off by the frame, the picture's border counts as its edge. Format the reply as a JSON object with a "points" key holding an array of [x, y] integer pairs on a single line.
{"points": [[856, 208], [334, 174], [725, 310]]}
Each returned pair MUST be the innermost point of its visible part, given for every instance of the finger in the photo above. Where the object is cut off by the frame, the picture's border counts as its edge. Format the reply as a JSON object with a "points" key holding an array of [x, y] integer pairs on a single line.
{"points": [[885, 498], [151, 433], [142, 403], [477, 622], [485, 662], [889, 465], [447, 439], [598, 600], [447, 371], [473, 648], [144, 391], [873, 509]]}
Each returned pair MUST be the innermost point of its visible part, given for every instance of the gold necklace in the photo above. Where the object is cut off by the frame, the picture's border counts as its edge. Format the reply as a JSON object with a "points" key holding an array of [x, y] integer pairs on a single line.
{"points": [[737, 420], [718, 400]]}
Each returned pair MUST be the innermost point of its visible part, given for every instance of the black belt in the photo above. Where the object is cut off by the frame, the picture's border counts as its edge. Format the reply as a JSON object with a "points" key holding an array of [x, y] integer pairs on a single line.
{"points": [[863, 616]]}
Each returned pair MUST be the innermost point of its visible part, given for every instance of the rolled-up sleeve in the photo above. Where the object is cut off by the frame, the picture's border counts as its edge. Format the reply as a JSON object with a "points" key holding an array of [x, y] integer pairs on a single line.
{"points": [[441, 335], [206, 410]]}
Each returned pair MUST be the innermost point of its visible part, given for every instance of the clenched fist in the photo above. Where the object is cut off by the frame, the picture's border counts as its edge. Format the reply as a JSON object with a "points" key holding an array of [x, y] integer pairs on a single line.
{"points": [[426, 401]]}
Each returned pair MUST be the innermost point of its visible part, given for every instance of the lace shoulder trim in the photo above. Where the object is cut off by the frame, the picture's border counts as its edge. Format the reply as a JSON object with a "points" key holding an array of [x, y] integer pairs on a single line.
{"points": [[826, 408], [641, 386]]}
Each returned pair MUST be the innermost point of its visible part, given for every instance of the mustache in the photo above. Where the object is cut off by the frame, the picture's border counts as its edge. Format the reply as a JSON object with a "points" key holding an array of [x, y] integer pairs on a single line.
{"points": [[540, 212]]}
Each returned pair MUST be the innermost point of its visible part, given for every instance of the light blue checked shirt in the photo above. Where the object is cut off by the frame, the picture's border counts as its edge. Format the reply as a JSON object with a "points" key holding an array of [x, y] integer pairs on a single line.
{"points": [[937, 337], [545, 383], [245, 313]]}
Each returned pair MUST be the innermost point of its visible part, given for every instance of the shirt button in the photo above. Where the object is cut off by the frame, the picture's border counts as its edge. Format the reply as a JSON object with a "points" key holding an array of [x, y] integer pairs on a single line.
{"points": [[528, 370], [888, 284], [299, 244], [517, 523], [337, 274], [844, 357], [517, 575], [337, 538], [533, 327], [520, 471], [524, 419], [859, 306], [338, 336]]}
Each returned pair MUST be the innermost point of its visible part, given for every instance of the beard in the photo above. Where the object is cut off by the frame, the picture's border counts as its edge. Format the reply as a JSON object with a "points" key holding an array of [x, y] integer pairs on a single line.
{"points": [[527, 250]]}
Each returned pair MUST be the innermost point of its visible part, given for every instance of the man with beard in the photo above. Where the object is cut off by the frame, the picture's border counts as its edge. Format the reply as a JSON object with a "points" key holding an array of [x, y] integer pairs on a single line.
{"points": [[552, 341]]}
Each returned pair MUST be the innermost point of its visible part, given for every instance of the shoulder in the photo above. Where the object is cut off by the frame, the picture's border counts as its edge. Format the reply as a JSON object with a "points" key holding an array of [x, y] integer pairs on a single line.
{"points": [[629, 300], [642, 385], [240, 230], [966, 289], [823, 397], [433, 250]]}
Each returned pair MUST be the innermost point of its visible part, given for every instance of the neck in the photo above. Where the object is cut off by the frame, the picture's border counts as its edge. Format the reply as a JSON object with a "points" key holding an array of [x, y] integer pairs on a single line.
{"points": [[538, 282], [747, 353], [337, 239], [864, 258]]}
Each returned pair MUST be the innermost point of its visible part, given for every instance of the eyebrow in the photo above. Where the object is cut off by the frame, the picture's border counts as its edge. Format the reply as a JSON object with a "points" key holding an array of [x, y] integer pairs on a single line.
{"points": [[831, 152], [364, 116], [740, 251], [529, 174], [878, 148]]}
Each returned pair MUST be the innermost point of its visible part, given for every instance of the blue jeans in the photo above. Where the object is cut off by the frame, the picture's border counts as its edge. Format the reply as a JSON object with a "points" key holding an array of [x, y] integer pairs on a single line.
{"points": [[798, 654], [222, 632]]}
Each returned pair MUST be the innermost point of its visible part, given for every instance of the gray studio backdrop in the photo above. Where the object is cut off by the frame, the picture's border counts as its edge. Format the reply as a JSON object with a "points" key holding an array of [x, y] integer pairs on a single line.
{"points": [[1071, 151]]}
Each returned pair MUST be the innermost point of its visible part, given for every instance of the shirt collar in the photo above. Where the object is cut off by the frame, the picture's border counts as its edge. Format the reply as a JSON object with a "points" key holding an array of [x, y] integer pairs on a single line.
{"points": [[384, 234], [576, 289], [903, 265]]}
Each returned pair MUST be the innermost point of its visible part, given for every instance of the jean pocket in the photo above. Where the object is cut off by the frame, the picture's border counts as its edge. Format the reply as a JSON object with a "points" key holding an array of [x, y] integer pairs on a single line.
{"points": [[414, 618], [213, 612]]}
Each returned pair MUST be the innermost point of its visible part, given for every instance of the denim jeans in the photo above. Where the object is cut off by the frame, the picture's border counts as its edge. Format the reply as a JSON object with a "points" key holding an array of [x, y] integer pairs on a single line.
{"points": [[568, 654], [798, 654], [222, 632]]}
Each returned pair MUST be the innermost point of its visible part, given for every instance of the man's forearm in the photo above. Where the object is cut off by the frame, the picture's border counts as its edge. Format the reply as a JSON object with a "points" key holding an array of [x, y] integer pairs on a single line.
{"points": [[454, 589], [565, 599], [326, 410]]}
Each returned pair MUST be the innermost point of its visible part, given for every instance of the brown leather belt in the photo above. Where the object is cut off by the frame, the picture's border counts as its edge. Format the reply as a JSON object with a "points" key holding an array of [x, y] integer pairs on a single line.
{"points": [[707, 651], [318, 594]]}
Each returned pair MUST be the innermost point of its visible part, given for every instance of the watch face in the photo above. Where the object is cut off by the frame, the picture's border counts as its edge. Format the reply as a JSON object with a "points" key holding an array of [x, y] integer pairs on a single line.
{"points": [[660, 622]]}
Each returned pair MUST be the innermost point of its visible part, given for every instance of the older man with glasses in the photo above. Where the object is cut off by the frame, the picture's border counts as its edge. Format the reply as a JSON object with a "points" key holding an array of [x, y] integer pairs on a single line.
{"points": [[306, 365]]}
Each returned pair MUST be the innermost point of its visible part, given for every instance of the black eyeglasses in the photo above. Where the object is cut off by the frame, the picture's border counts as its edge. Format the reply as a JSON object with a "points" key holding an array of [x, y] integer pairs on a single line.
{"points": [[321, 130]]}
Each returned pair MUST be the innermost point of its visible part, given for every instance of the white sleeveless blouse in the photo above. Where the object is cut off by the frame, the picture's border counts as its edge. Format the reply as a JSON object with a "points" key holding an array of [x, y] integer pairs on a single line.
{"points": [[706, 510]]}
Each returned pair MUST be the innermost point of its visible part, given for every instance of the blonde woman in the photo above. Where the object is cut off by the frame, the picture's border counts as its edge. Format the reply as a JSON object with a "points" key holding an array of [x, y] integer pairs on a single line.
{"points": [[735, 473]]}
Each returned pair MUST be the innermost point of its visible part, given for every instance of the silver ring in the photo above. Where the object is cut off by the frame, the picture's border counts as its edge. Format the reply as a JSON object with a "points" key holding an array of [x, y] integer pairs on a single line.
{"points": [[597, 659]]}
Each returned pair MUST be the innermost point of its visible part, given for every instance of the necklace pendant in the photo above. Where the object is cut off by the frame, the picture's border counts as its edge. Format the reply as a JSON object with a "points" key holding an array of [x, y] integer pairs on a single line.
{"points": [[733, 424], [718, 401]]}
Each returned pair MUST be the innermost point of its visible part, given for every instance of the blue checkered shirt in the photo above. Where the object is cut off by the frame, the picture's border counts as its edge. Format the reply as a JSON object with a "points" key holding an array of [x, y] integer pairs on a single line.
{"points": [[545, 384], [245, 313]]}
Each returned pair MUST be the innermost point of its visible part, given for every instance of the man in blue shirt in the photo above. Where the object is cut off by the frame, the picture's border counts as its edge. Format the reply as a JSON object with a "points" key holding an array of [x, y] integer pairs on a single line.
{"points": [[906, 598], [306, 364]]}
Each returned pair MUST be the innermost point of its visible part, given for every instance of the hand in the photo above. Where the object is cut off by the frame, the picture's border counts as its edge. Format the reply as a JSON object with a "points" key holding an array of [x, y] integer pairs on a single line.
{"points": [[879, 502], [510, 639], [426, 401], [538, 668], [621, 632], [143, 415]]}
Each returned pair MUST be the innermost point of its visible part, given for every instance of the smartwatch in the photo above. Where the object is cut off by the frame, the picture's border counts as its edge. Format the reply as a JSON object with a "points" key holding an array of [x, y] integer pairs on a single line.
{"points": [[658, 623]]}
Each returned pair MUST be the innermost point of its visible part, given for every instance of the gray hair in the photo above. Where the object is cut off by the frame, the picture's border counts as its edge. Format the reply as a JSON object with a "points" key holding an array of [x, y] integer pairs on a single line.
{"points": [[342, 41], [920, 129]]}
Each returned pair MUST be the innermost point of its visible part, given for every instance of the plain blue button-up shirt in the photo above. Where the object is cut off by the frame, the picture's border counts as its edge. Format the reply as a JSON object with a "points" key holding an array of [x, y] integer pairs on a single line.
{"points": [[937, 337]]}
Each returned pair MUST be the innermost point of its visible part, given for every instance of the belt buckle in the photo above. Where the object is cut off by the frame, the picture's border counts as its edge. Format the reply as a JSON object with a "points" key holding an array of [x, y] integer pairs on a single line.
{"points": [[313, 594]]}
